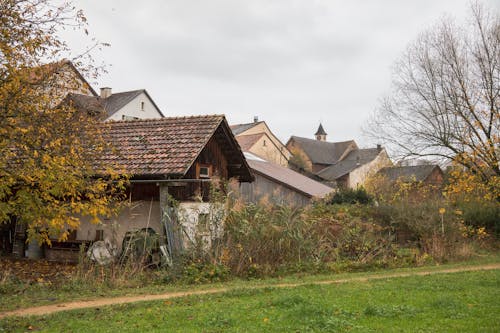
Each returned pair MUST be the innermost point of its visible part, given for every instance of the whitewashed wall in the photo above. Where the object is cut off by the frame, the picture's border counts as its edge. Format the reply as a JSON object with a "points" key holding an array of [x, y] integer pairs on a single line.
{"points": [[140, 214], [133, 109]]}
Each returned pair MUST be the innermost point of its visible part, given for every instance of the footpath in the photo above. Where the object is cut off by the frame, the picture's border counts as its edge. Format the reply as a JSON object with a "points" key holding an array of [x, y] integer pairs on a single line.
{"points": [[48, 309]]}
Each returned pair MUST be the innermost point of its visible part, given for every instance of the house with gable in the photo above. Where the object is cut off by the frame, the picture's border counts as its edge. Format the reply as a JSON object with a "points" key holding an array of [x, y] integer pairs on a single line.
{"points": [[258, 139], [314, 155], [356, 167], [57, 79], [268, 159], [429, 174], [341, 164], [169, 158], [66, 83], [280, 185], [172, 164], [128, 105]]}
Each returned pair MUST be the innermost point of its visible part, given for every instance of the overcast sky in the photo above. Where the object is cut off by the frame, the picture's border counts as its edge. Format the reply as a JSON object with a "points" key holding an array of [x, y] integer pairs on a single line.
{"points": [[292, 63]]}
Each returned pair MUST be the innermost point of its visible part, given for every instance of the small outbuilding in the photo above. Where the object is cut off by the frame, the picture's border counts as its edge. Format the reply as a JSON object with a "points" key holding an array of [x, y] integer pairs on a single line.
{"points": [[280, 185]]}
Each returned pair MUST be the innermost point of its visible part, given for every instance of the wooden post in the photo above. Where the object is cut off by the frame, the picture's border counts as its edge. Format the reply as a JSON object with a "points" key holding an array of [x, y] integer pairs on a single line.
{"points": [[169, 220]]}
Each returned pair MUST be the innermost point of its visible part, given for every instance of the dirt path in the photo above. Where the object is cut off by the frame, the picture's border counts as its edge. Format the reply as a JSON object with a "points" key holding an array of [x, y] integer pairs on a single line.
{"points": [[48, 309]]}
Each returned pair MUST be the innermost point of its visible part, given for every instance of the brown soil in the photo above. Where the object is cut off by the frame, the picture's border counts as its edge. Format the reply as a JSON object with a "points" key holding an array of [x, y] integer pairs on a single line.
{"points": [[48, 309]]}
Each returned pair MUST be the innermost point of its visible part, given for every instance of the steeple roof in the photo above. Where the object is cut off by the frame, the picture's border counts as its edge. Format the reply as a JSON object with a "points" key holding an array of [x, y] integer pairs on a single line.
{"points": [[320, 130]]}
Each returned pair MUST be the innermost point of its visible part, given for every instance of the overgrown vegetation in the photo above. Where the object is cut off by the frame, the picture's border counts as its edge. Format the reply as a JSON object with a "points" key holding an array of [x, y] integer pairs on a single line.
{"points": [[407, 224]]}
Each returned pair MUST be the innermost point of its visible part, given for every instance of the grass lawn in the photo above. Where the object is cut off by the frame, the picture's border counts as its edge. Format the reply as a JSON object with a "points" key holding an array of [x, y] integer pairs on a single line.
{"points": [[458, 302], [22, 295]]}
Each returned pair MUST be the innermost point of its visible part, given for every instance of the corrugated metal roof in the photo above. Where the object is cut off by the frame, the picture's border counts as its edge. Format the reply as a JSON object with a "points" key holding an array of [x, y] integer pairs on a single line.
{"points": [[290, 178]]}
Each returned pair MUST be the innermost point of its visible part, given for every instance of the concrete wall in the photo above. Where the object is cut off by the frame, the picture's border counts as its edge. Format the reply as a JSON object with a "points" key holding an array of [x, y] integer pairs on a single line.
{"points": [[139, 214], [133, 109], [197, 227]]}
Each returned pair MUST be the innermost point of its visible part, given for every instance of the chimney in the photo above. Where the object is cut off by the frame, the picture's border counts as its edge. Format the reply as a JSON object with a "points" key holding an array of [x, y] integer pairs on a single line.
{"points": [[379, 147], [105, 92], [255, 119]]}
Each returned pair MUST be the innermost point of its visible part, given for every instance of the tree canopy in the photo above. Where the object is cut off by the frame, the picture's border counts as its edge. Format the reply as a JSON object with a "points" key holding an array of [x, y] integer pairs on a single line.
{"points": [[446, 96], [48, 173]]}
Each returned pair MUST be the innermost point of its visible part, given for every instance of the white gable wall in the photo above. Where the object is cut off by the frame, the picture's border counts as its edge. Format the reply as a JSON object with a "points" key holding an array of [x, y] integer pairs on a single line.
{"points": [[358, 176], [133, 109]]}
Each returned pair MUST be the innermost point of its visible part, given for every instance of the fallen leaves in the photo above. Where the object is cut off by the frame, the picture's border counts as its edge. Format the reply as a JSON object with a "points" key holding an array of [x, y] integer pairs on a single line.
{"points": [[35, 271]]}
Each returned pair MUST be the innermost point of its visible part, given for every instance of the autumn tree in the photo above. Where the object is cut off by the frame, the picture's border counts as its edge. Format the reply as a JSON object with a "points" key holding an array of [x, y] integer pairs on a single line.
{"points": [[49, 175], [446, 96]]}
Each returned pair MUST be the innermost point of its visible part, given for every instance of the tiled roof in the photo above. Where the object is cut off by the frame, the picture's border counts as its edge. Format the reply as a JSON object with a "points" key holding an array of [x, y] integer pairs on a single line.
{"points": [[351, 161], [247, 141], [290, 178], [167, 146], [110, 105], [408, 173], [240, 128], [92, 104], [322, 152]]}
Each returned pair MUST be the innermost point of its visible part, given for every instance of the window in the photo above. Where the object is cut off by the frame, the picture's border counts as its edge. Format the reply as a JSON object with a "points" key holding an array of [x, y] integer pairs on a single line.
{"points": [[264, 144], [203, 171], [142, 106], [124, 117]]}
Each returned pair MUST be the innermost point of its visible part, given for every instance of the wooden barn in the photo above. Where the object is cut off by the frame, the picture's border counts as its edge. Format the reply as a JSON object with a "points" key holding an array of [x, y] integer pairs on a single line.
{"points": [[168, 160]]}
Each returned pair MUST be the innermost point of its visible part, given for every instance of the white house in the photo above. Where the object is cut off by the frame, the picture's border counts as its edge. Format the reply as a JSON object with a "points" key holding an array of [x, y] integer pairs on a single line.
{"points": [[129, 105]]}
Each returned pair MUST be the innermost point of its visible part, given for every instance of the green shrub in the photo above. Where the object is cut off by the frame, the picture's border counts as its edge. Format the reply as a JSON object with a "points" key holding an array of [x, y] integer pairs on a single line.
{"points": [[482, 214], [351, 196]]}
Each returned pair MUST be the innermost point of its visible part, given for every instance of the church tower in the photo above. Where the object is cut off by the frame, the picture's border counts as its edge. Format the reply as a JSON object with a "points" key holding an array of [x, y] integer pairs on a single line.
{"points": [[320, 133]]}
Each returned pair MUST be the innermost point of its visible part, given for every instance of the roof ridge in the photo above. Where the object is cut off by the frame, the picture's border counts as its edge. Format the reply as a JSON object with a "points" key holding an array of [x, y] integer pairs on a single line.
{"points": [[321, 142], [250, 123], [166, 118], [255, 134], [127, 92]]}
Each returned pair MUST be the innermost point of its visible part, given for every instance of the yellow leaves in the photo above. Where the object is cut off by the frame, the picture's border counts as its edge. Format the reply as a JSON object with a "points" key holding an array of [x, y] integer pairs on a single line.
{"points": [[468, 187]]}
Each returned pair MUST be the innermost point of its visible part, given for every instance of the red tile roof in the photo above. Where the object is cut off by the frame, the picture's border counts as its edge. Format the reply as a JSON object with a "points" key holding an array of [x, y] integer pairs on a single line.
{"points": [[166, 146]]}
